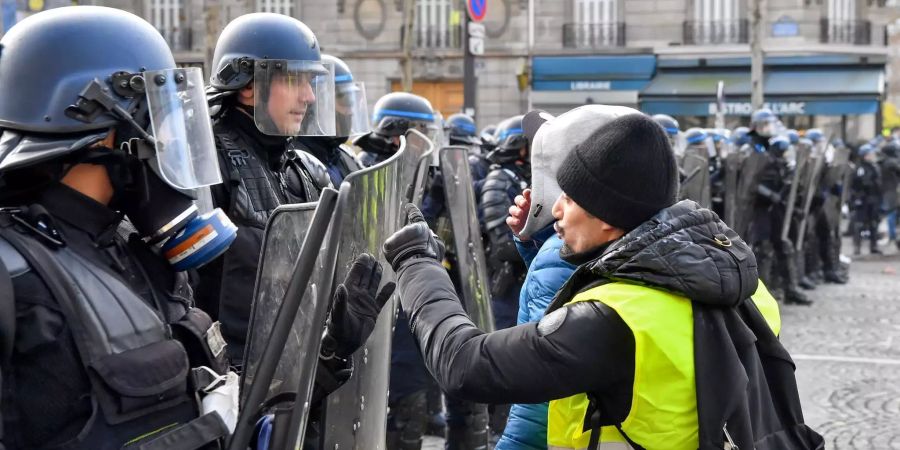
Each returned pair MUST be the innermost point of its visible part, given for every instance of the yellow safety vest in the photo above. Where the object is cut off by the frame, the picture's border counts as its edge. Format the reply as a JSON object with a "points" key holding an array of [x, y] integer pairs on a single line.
{"points": [[663, 411]]}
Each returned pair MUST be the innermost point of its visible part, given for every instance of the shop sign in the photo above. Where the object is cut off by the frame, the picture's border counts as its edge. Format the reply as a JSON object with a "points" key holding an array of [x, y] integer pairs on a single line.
{"points": [[746, 109]]}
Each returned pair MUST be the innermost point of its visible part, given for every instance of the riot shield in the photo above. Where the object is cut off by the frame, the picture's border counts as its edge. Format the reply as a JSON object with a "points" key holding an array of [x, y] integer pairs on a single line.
{"points": [[469, 251], [751, 166], [800, 163], [732, 172], [837, 174], [811, 183], [288, 311], [695, 165], [369, 211]]}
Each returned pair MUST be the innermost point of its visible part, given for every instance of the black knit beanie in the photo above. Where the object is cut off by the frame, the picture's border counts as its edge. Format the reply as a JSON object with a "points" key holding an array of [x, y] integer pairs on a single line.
{"points": [[624, 173]]}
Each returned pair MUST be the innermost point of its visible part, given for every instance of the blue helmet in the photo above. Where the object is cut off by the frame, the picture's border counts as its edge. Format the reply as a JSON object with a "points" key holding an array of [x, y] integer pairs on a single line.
{"points": [[792, 136], [462, 130], [717, 135], [397, 112], [764, 122], [815, 135], [740, 136], [695, 135], [510, 140], [779, 144], [668, 123], [865, 149]]}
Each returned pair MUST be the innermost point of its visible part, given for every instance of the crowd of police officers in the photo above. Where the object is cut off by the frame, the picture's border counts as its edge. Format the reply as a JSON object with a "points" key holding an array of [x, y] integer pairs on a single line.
{"points": [[132, 225]]}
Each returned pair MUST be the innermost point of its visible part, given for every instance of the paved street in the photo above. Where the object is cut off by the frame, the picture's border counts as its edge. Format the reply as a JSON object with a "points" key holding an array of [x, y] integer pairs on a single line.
{"points": [[847, 350]]}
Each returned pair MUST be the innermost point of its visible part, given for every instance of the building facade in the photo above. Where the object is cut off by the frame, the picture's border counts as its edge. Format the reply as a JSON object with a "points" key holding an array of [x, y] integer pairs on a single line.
{"points": [[827, 61]]}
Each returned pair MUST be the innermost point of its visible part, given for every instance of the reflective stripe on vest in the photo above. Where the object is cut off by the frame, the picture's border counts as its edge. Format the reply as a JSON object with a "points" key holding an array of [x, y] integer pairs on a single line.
{"points": [[663, 410]]}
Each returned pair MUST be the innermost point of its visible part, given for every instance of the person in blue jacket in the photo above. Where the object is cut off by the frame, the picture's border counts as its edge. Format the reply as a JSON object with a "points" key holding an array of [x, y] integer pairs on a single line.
{"points": [[539, 246]]}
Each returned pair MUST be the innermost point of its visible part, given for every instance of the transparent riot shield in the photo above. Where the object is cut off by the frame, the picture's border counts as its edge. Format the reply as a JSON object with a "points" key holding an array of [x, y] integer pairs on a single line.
{"points": [[800, 165], [751, 167], [732, 172], [836, 178], [369, 211], [288, 314], [695, 166], [469, 251], [811, 183]]}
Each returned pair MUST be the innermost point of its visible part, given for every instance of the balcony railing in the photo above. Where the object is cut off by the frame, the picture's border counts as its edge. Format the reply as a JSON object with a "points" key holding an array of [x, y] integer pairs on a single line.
{"points": [[434, 37], [716, 32], [594, 35], [855, 32]]}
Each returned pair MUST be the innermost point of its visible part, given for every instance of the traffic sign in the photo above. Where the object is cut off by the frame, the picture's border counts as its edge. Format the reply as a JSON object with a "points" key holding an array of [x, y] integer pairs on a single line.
{"points": [[477, 9], [476, 38]]}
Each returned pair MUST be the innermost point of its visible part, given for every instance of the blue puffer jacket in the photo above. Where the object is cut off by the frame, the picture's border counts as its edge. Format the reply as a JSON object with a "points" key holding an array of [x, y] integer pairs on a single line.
{"points": [[526, 428]]}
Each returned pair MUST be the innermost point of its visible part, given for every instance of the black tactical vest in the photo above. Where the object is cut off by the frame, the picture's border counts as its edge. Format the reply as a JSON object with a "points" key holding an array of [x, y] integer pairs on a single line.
{"points": [[136, 356]]}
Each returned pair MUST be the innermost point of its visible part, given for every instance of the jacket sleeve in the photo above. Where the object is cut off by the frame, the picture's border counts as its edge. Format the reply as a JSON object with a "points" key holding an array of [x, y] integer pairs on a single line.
{"points": [[590, 350]]}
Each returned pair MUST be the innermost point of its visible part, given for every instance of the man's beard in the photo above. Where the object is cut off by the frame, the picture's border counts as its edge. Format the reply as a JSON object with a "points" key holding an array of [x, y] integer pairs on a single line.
{"points": [[570, 256]]}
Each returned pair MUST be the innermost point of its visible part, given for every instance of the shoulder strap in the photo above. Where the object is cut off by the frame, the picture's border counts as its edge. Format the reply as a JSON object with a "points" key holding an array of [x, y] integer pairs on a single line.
{"points": [[7, 312], [40, 260]]}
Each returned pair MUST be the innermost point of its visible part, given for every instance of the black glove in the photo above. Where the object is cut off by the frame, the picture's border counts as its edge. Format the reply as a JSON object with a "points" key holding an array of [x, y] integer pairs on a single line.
{"points": [[357, 302], [413, 243]]}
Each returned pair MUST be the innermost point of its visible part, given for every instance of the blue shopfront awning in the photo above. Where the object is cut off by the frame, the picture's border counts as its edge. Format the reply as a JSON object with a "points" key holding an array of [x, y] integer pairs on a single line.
{"points": [[805, 91], [592, 73]]}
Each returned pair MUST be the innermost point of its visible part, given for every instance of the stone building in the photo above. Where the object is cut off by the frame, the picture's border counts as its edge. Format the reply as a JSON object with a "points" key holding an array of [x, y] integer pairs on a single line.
{"points": [[826, 60]]}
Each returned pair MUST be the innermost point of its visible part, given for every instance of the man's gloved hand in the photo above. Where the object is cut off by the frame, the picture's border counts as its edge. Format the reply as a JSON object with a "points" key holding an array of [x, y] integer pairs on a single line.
{"points": [[413, 242], [357, 302]]}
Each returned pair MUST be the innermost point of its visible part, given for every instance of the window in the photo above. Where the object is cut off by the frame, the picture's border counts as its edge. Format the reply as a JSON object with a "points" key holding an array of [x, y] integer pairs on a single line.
{"points": [[168, 17], [596, 24], [840, 24], [437, 24], [285, 7], [716, 22]]}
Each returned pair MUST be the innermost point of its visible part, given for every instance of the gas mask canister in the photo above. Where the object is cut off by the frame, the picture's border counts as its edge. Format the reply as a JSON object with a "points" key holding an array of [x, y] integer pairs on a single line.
{"points": [[175, 163]]}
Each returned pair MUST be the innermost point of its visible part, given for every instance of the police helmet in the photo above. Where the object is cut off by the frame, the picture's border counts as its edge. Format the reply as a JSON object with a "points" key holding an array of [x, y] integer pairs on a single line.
{"points": [[511, 140], [740, 136], [255, 37], [351, 108], [68, 75], [277, 51], [891, 149], [695, 135], [779, 144], [792, 136], [865, 149], [764, 122], [668, 123], [462, 130], [395, 113], [815, 135]]}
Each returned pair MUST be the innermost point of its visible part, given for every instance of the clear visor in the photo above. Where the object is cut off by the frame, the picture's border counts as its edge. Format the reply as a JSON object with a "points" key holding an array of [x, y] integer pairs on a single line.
{"points": [[351, 110], [768, 128], [185, 149], [678, 143], [294, 98], [706, 148]]}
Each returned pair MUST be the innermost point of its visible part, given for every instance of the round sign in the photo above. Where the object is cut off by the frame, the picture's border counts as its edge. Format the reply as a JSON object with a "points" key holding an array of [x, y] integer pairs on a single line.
{"points": [[477, 9]]}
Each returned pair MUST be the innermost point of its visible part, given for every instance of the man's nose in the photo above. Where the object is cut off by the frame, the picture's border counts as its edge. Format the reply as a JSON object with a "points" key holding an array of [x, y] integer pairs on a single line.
{"points": [[306, 94]]}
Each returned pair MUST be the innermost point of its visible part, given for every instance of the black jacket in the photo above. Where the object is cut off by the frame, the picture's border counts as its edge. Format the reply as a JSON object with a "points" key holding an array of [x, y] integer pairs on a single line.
{"points": [[890, 180], [592, 350]]}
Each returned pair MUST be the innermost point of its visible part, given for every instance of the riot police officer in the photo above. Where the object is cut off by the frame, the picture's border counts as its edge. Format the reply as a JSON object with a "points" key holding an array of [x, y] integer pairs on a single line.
{"points": [[775, 255], [509, 175], [351, 119], [268, 77], [393, 115], [100, 337], [865, 200], [461, 131]]}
